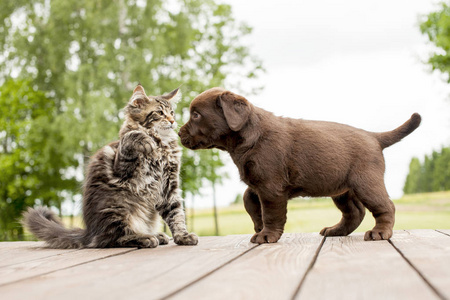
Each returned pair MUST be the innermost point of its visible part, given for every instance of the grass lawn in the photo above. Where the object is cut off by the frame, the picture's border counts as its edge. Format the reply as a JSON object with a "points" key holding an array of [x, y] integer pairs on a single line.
{"points": [[418, 211], [424, 211]]}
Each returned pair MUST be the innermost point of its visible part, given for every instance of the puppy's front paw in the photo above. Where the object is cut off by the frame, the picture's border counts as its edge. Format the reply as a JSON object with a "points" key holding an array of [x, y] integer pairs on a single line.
{"points": [[266, 236], [378, 234], [186, 239]]}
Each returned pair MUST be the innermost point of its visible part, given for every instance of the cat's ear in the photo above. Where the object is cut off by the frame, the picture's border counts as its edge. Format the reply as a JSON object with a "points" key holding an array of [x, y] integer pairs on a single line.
{"points": [[138, 99], [139, 89], [174, 96], [235, 108]]}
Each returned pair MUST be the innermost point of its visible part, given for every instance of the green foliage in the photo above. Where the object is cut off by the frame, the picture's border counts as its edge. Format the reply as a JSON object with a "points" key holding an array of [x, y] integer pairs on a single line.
{"points": [[414, 181], [85, 57], [432, 175], [30, 161], [436, 26]]}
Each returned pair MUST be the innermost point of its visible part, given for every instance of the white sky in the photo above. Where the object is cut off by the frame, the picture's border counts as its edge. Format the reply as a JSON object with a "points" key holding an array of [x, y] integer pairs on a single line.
{"points": [[349, 61]]}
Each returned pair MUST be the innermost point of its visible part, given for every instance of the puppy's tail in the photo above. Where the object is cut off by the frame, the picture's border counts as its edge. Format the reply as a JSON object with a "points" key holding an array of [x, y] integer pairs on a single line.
{"points": [[389, 138], [45, 225]]}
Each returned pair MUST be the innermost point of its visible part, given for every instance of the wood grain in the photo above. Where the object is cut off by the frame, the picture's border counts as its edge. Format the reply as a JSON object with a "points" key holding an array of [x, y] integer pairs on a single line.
{"points": [[429, 252], [150, 273], [351, 268], [410, 266], [270, 271], [50, 263], [12, 253]]}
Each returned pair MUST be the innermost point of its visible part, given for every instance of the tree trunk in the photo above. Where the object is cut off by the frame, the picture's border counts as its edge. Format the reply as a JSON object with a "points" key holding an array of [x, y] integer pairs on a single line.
{"points": [[216, 222], [192, 214]]}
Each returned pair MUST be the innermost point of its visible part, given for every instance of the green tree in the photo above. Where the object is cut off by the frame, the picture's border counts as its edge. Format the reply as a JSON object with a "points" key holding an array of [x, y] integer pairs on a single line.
{"points": [[414, 180], [435, 171], [86, 56], [430, 176], [428, 173], [30, 159], [441, 171], [436, 26]]}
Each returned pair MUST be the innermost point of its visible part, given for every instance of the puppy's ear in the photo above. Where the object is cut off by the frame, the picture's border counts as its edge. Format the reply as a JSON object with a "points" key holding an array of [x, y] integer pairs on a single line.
{"points": [[235, 108]]}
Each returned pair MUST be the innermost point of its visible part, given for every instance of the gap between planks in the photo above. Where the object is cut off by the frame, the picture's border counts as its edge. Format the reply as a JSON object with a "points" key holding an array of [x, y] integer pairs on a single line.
{"points": [[262, 273], [438, 294], [207, 274], [63, 268], [311, 265], [359, 259], [441, 231], [173, 263], [38, 258], [310, 268], [430, 285]]}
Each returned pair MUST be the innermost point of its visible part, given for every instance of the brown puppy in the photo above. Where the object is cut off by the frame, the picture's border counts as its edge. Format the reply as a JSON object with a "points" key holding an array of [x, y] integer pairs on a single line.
{"points": [[281, 158]]}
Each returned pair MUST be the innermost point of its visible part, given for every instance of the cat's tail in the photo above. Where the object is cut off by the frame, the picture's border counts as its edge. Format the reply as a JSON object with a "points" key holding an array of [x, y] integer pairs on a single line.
{"points": [[389, 138], [45, 225]]}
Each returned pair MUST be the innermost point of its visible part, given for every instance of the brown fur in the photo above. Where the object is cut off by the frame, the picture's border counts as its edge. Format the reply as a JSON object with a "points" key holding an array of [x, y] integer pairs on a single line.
{"points": [[281, 158]]}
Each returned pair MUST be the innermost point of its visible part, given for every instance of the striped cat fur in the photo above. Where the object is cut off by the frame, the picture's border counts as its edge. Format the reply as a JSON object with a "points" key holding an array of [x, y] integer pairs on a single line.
{"points": [[129, 184]]}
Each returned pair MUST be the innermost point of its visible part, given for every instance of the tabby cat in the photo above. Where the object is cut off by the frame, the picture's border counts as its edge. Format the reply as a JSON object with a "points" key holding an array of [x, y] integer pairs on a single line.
{"points": [[128, 182]]}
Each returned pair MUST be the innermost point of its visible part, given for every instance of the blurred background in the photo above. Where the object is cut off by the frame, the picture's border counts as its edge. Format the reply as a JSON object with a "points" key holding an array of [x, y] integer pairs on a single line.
{"points": [[67, 68]]}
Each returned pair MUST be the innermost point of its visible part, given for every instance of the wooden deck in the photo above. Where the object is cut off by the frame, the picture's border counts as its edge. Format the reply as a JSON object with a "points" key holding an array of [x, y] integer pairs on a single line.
{"points": [[414, 264]]}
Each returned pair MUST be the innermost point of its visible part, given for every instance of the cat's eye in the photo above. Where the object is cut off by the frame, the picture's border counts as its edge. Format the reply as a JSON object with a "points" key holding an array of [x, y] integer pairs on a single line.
{"points": [[160, 113], [195, 115], [172, 113]]}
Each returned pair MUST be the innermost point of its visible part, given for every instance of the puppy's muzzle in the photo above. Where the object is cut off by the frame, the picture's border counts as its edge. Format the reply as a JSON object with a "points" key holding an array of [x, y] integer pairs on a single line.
{"points": [[185, 138]]}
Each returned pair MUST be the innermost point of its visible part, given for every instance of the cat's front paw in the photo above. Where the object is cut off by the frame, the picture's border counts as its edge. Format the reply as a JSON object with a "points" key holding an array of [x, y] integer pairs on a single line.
{"points": [[163, 238], [147, 146], [150, 241], [186, 239]]}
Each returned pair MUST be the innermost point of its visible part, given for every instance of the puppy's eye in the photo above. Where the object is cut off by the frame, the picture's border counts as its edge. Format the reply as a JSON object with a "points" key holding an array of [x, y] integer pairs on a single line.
{"points": [[195, 115]]}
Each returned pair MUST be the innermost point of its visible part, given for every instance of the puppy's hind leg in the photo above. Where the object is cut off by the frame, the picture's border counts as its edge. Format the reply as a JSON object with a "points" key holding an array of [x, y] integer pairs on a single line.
{"points": [[353, 212], [374, 196], [253, 207]]}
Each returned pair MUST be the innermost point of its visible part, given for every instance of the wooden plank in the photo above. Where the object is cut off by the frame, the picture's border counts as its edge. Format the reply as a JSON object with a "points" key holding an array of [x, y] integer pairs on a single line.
{"points": [[9, 245], [270, 271], [351, 268], [148, 272], [48, 264], [215, 256], [12, 253], [429, 252]]}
